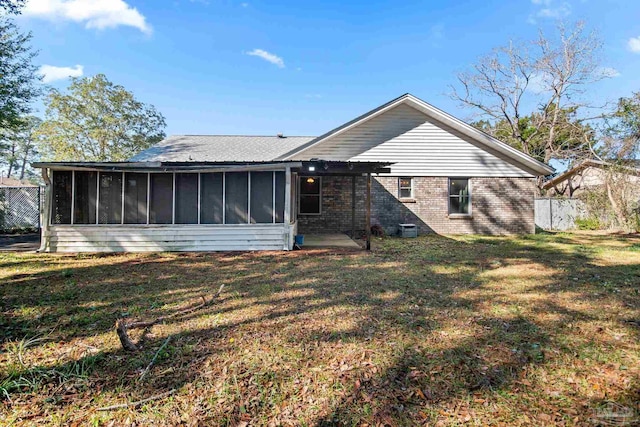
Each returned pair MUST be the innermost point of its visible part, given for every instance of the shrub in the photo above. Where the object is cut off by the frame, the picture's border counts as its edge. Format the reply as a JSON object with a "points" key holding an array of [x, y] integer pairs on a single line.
{"points": [[589, 223]]}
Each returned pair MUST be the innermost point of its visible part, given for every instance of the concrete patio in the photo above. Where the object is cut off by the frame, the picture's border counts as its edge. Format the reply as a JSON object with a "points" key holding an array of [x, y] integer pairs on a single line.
{"points": [[336, 240]]}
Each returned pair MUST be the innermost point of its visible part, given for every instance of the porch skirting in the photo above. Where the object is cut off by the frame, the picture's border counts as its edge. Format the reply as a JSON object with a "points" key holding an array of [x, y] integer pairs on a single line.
{"points": [[244, 237]]}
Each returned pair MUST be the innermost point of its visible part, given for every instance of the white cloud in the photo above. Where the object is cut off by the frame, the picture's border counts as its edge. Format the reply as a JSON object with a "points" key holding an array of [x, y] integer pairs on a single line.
{"points": [[608, 72], [269, 57], [549, 10], [99, 14], [51, 73], [634, 44]]}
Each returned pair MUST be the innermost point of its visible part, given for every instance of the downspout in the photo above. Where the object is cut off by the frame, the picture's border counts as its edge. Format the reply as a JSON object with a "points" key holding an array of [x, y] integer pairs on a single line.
{"points": [[45, 212]]}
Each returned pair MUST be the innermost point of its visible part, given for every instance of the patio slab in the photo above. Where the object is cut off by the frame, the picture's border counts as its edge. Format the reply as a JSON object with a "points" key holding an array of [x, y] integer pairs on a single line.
{"points": [[336, 240]]}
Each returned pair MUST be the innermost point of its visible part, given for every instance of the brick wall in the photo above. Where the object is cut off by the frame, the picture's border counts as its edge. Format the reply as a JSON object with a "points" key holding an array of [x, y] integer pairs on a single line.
{"points": [[336, 207], [498, 206]]}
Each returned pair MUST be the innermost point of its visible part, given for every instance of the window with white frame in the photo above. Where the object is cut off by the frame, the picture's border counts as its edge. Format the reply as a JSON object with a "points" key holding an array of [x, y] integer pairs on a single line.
{"points": [[459, 196], [405, 187], [310, 195]]}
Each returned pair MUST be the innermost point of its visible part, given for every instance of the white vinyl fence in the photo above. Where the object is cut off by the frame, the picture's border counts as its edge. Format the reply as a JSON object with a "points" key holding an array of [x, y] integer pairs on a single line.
{"points": [[558, 214], [19, 208]]}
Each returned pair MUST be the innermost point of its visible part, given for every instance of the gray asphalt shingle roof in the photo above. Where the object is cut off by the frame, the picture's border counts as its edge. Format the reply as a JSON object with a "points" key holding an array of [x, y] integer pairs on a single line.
{"points": [[220, 148]]}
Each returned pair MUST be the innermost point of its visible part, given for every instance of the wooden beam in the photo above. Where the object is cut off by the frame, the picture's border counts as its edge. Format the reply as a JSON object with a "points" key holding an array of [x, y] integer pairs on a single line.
{"points": [[368, 221]]}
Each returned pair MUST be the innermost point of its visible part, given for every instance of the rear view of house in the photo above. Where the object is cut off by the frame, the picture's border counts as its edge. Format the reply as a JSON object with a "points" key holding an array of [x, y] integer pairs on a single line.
{"points": [[403, 162]]}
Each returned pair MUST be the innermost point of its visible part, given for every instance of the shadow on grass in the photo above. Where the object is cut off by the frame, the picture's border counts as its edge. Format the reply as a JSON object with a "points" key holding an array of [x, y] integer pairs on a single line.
{"points": [[449, 334]]}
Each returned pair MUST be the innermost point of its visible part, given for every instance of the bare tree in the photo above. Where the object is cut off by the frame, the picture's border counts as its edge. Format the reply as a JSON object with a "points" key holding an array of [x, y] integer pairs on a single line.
{"points": [[533, 92]]}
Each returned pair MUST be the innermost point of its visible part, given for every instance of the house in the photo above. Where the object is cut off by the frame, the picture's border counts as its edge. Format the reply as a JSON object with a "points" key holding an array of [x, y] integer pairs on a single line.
{"points": [[403, 162], [591, 175], [13, 182]]}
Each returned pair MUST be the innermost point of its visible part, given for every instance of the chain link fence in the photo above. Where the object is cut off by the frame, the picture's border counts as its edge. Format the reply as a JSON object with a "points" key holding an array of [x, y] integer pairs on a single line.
{"points": [[20, 208]]}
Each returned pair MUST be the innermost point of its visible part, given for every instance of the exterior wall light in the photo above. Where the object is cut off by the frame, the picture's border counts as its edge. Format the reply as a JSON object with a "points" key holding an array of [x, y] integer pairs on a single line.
{"points": [[312, 168]]}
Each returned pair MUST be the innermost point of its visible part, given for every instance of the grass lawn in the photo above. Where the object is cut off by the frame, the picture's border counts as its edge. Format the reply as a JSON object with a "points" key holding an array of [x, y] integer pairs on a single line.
{"points": [[538, 330]]}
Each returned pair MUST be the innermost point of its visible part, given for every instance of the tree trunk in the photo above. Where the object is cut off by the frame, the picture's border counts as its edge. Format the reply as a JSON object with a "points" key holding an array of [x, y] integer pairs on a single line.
{"points": [[25, 156], [22, 168], [620, 215], [12, 160]]}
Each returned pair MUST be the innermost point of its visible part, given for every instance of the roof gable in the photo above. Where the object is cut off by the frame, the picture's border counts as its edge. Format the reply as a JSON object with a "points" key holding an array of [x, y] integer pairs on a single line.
{"points": [[378, 135]]}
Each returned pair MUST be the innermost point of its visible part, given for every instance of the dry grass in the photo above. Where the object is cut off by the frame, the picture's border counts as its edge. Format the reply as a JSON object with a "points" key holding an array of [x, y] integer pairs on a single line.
{"points": [[437, 331]]}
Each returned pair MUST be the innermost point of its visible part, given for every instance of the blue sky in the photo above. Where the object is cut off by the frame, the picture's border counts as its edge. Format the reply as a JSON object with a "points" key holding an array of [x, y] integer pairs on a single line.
{"points": [[258, 67]]}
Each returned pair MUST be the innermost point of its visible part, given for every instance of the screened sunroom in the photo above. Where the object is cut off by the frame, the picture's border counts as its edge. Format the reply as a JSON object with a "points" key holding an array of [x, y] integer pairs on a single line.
{"points": [[137, 206]]}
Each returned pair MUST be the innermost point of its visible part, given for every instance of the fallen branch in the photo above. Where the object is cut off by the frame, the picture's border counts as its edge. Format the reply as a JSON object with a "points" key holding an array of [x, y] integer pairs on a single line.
{"points": [[146, 370], [139, 402], [121, 330], [122, 327]]}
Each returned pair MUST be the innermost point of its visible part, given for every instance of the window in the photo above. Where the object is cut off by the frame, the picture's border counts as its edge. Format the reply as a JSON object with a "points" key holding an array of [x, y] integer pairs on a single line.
{"points": [[110, 206], [310, 195], [84, 197], [61, 189], [211, 207], [89, 197], [236, 198], [261, 197], [161, 198], [135, 198], [459, 196], [405, 188], [186, 198]]}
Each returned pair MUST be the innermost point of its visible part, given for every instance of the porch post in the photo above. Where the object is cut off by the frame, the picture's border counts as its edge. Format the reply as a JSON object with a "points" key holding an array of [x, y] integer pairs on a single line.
{"points": [[368, 221], [353, 206], [45, 214], [287, 211], [287, 197]]}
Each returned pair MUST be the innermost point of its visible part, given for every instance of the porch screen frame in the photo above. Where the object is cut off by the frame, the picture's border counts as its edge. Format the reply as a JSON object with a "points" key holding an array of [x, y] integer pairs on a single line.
{"points": [[277, 181]]}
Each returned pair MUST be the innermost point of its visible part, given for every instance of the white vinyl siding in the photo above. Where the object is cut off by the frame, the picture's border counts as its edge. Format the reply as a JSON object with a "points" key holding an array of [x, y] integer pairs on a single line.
{"points": [[131, 238], [416, 145]]}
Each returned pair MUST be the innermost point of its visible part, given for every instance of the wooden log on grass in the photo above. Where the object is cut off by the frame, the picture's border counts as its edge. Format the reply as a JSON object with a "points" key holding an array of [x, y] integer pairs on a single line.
{"points": [[123, 328]]}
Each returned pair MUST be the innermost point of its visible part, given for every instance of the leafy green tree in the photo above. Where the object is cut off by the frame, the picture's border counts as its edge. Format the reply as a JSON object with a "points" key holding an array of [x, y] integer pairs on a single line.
{"points": [[623, 136], [18, 76], [97, 120], [12, 6], [571, 137], [19, 148]]}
